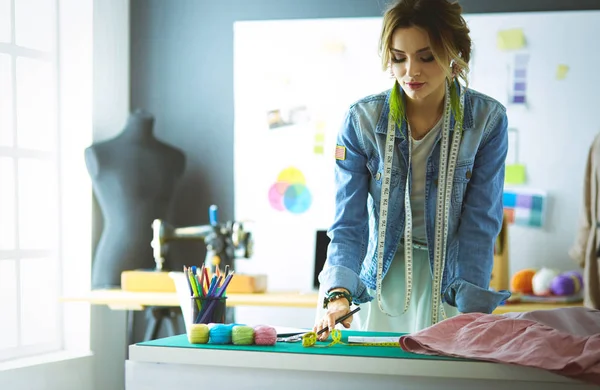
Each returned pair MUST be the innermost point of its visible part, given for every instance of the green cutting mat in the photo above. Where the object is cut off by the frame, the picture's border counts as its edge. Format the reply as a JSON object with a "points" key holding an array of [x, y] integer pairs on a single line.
{"points": [[181, 341]]}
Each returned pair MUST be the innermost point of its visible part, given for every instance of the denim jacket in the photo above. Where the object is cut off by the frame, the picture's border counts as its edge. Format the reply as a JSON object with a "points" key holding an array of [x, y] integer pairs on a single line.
{"points": [[475, 213]]}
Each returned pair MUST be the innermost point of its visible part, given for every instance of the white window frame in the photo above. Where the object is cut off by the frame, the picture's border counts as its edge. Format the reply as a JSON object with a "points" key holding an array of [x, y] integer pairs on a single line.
{"points": [[18, 154], [72, 60]]}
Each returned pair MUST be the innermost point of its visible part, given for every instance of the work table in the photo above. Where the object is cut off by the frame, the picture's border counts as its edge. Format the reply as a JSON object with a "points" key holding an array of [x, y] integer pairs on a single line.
{"points": [[175, 364]]}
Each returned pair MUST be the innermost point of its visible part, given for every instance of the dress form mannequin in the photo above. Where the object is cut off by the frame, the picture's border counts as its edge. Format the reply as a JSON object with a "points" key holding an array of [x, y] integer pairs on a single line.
{"points": [[134, 176]]}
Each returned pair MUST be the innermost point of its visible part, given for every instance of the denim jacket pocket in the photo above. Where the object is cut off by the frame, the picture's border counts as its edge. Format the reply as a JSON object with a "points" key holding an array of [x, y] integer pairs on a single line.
{"points": [[376, 168], [462, 176]]}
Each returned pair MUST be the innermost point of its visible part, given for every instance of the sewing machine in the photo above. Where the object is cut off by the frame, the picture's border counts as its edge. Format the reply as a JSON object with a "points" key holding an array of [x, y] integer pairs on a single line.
{"points": [[224, 242]]}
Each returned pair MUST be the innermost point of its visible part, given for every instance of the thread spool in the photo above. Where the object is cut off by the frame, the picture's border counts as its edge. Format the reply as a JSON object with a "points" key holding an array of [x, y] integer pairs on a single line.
{"points": [[220, 334], [198, 334], [242, 335], [265, 335]]}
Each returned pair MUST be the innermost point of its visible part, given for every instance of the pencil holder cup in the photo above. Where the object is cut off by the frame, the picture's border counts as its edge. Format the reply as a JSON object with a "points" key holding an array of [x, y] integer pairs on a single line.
{"points": [[208, 310], [183, 296]]}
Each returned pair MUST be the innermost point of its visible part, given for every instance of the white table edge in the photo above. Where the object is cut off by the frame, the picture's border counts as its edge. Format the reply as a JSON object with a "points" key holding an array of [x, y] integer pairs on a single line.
{"points": [[344, 364]]}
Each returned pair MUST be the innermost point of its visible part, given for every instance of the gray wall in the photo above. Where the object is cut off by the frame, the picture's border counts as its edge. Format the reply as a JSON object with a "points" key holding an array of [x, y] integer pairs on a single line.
{"points": [[182, 71]]}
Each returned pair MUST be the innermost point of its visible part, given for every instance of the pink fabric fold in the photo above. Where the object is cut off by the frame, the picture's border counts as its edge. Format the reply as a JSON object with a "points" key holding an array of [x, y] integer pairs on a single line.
{"points": [[564, 341]]}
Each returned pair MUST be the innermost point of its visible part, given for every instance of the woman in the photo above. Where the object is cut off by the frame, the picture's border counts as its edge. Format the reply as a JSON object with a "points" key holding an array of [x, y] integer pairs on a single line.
{"points": [[419, 176]]}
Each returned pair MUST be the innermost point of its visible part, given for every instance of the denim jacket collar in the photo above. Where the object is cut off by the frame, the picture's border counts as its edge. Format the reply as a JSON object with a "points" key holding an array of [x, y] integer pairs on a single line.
{"points": [[403, 131]]}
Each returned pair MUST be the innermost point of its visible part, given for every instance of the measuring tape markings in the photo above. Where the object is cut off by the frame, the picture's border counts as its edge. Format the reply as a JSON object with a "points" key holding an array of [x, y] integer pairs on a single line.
{"points": [[383, 206], [386, 344], [443, 206], [310, 340], [442, 229], [445, 181]]}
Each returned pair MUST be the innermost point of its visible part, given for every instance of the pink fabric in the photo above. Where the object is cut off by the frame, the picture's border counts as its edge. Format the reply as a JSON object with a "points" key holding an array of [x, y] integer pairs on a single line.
{"points": [[564, 341], [579, 321]]}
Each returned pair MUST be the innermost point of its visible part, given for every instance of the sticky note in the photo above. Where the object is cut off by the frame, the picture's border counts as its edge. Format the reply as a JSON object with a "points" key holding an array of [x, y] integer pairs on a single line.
{"points": [[319, 137], [318, 149], [512, 39], [561, 72], [334, 47], [509, 199], [515, 174]]}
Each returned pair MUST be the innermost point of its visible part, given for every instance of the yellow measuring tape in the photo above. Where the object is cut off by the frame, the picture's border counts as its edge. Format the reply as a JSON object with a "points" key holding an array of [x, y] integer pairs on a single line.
{"points": [[310, 340]]}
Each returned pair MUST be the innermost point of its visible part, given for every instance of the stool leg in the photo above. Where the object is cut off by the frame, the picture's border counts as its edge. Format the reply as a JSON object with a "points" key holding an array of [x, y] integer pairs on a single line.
{"points": [[130, 327], [153, 325], [172, 324]]}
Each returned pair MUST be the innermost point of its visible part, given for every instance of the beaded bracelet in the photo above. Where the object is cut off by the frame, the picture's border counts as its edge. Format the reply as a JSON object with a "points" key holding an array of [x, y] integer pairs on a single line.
{"points": [[335, 295]]}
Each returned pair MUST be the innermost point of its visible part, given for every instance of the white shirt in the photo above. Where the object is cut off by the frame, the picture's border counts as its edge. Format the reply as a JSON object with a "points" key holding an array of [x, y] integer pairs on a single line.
{"points": [[421, 149]]}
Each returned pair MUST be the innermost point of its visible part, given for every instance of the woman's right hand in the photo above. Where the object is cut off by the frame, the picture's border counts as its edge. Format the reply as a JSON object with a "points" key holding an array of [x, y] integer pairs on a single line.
{"points": [[335, 310]]}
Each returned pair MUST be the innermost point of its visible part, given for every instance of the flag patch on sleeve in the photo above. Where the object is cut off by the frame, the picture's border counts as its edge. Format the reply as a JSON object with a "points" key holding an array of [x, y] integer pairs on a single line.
{"points": [[340, 152]]}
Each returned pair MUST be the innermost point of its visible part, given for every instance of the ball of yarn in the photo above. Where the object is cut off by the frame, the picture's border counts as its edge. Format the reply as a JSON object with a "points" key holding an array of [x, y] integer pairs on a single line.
{"points": [[265, 335], [220, 334], [577, 275], [198, 334], [521, 281], [242, 335], [541, 281], [568, 283]]}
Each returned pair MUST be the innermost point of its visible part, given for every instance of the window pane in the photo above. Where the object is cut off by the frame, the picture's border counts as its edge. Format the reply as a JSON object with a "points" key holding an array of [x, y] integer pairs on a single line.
{"points": [[34, 24], [6, 101], [36, 104], [9, 326], [37, 198], [39, 300], [5, 20], [7, 204]]}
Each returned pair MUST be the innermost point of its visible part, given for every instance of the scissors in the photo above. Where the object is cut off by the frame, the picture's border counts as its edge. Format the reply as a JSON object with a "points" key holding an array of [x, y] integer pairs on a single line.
{"points": [[298, 337]]}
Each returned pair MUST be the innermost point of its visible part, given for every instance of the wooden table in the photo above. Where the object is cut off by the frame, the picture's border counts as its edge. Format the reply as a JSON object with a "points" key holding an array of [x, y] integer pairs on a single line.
{"points": [[522, 307], [165, 306], [125, 300]]}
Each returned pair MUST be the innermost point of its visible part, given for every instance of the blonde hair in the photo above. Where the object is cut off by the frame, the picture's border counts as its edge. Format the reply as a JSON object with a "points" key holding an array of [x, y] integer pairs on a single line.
{"points": [[447, 30]]}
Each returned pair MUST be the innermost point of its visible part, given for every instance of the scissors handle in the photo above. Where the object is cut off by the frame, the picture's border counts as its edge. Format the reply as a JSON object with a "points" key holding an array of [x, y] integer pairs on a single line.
{"points": [[297, 337]]}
